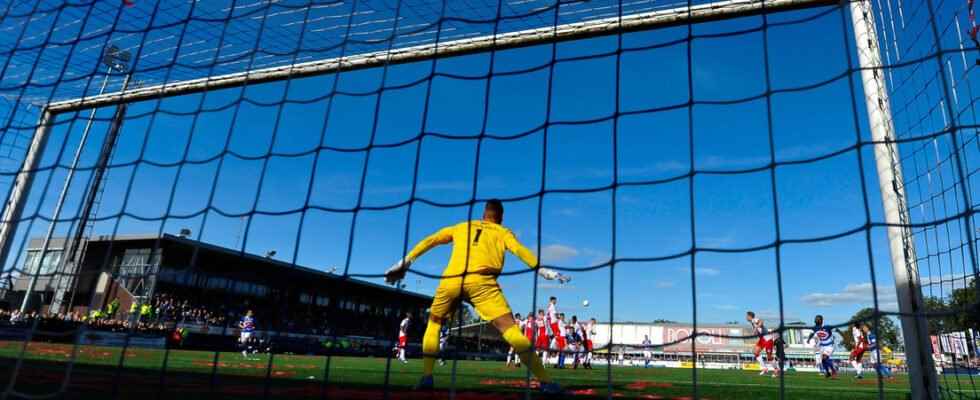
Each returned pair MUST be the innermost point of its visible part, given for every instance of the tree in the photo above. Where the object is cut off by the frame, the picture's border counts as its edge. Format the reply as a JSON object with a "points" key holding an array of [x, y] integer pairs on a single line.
{"points": [[963, 302], [847, 339], [937, 324], [961, 311], [887, 333]]}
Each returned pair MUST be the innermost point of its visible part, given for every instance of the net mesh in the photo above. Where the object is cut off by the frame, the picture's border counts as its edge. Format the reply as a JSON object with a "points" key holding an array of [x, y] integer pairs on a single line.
{"points": [[717, 148], [939, 175]]}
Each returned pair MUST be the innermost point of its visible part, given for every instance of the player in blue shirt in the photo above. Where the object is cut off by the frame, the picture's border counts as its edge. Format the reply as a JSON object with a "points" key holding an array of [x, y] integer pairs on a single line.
{"points": [[247, 327], [647, 354], [825, 342], [443, 340], [875, 352]]}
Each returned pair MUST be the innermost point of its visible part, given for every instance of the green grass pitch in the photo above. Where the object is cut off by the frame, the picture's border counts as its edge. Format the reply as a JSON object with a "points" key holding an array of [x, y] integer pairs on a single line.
{"points": [[155, 374]]}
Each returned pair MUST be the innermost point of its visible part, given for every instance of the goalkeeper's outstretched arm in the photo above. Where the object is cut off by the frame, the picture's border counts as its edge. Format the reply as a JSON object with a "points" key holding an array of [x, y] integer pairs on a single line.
{"points": [[397, 271], [514, 246]]}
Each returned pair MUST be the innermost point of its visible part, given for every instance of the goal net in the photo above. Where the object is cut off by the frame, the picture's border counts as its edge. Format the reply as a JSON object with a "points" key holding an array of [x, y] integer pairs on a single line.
{"points": [[170, 167]]}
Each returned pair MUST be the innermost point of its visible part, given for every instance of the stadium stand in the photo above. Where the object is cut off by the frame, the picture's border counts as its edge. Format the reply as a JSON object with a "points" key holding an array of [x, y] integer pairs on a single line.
{"points": [[297, 307]]}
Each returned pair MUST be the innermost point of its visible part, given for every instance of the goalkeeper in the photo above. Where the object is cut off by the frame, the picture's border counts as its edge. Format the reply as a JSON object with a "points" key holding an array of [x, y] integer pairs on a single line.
{"points": [[476, 261]]}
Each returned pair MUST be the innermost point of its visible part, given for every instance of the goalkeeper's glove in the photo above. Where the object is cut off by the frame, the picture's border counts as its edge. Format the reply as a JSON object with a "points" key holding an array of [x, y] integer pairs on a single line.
{"points": [[397, 271], [551, 275]]}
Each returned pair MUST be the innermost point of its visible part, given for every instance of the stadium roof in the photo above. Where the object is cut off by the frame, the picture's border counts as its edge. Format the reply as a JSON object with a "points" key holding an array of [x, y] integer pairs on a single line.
{"points": [[54, 48], [57, 243]]}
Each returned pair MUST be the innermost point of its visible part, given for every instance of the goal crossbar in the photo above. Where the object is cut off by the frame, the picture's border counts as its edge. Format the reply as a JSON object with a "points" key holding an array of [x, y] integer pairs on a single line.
{"points": [[524, 38]]}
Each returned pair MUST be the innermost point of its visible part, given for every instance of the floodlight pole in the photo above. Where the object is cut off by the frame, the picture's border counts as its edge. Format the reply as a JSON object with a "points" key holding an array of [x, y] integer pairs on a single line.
{"points": [[918, 347], [70, 254], [61, 201], [115, 60]]}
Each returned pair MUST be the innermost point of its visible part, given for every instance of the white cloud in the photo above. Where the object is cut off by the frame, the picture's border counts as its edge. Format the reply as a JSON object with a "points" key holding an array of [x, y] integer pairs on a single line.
{"points": [[701, 271], [664, 284], [722, 162], [717, 241], [853, 293], [659, 167], [553, 253], [596, 256], [347, 183], [716, 162], [568, 212], [773, 315]]}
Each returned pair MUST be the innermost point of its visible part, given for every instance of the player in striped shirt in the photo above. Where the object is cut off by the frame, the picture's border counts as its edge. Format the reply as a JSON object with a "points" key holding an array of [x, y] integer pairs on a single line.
{"points": [[247, 326], [825, 340], [647, 353], [814, 344], [872, 347], [443, 341], [574, 341]]}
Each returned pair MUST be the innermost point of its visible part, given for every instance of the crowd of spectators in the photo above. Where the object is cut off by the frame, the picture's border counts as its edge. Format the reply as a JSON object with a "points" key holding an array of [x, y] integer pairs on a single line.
{"points": [[60, 322], [191, 307], [173, 310], [168, 307]]}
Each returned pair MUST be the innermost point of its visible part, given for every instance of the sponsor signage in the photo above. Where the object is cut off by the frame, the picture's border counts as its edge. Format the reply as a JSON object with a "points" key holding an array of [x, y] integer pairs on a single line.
{"points": [[118, 339]]}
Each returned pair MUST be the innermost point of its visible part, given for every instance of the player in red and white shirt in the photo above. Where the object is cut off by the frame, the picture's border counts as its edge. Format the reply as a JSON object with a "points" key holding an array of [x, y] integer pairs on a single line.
{"points": [[551, 319], [857, 352], [587, 331], [764, 342], [552, 315], [561, 344], [403, 337], [513, 358], [528, 325], [778, 347], [541, 339]]}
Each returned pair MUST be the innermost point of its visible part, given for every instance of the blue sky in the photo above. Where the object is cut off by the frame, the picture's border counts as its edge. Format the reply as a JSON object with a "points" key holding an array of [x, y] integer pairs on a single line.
{"points": [[652, 221]]}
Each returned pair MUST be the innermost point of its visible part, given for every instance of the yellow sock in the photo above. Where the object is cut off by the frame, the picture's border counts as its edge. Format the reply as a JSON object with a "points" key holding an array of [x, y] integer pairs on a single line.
{"points": [[522, 346], [430, 347]]}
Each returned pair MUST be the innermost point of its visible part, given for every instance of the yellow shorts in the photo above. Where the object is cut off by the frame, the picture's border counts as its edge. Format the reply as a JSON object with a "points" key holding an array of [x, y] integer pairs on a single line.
{"points": [[485, 295]]}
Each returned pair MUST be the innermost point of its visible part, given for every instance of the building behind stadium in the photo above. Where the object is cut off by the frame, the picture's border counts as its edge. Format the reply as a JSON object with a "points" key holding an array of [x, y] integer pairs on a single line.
{"points": [[716, 345]]}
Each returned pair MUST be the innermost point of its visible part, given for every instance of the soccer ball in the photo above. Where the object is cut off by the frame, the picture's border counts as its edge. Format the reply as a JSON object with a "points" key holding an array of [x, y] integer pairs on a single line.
{"points": [[585, 303]]}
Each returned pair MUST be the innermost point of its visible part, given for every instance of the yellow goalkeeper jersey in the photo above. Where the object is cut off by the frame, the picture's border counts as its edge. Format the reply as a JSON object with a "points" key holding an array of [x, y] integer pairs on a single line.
{"points": [[478, 249]]}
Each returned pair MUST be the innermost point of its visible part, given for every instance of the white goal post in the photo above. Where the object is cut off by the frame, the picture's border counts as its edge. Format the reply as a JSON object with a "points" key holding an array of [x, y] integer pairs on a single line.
{"points": [[918, 348]]}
